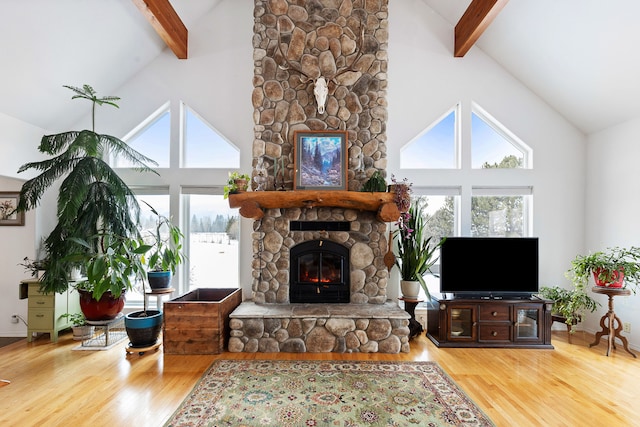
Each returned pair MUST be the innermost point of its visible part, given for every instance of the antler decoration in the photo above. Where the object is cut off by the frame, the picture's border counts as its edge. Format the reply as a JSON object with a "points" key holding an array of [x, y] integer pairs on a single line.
{"points": [[353, 63], [320, 83]]}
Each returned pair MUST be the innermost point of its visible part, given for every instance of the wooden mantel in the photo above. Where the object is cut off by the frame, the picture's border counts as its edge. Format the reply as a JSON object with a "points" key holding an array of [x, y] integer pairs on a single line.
{"points": [[252, 203]]}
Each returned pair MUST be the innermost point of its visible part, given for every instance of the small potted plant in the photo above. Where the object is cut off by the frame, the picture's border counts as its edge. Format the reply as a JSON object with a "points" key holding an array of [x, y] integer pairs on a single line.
{"points": [[570, 304], [236, 183], [81, 330], [375, 183], [416, 253], [165, 253], [34, 267], [614, 267]]}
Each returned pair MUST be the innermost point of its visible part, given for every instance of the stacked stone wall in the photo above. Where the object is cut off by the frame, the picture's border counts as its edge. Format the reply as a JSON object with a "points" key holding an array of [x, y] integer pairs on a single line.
{"points": [[321, 38], [295, 42]]}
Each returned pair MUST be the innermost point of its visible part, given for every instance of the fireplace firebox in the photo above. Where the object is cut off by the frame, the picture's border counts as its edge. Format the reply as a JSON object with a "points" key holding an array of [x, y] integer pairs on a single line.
{"points": [[319, 273]]}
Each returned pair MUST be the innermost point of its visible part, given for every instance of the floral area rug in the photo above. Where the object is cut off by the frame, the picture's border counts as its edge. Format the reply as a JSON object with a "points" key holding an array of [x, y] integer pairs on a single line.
{"points": [[326, 393]]}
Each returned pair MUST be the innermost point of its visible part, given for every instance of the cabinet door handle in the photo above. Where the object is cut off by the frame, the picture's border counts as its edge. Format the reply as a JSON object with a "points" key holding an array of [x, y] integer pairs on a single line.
{"points": [[40, 302], [39, 315], [494, 333], [494, 313]]}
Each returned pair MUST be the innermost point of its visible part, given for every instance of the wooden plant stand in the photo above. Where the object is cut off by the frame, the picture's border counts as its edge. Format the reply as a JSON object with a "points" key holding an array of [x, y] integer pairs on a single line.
{"points": [[608, 321]]}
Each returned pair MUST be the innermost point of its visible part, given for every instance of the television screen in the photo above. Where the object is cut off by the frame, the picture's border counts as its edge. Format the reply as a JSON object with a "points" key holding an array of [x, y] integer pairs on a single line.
{"points": [[489, 267]]}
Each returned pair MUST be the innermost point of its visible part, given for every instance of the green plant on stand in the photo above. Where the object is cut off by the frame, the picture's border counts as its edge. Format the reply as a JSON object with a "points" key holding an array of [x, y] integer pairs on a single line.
{"points": [[571, 304], [81, 330], [165, 253], [416, 253], [111, 270], [613, 267]]}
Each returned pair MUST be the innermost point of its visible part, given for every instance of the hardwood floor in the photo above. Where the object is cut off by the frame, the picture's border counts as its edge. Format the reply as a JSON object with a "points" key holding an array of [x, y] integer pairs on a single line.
{"points": [[573, 385]]}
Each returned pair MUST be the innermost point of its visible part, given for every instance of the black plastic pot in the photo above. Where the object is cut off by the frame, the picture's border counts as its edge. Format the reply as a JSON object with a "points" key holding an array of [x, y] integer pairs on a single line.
{"points": [[143, 327]]}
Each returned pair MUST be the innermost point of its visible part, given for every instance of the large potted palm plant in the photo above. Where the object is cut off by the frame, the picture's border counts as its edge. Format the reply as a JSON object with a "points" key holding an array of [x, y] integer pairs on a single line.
{"points": [[92, 199], [416, 253]]}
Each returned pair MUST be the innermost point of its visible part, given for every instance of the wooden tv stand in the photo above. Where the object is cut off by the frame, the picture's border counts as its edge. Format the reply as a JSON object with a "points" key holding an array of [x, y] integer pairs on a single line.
{"points": [[469, 322]]}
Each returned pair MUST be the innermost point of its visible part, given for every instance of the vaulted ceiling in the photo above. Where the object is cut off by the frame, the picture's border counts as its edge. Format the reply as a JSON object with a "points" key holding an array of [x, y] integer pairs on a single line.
{"points": [[580, 56]]}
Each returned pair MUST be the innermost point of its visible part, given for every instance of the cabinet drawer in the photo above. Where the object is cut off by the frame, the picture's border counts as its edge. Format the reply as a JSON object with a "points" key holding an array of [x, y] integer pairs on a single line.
{"points": [[41, 301], [499, 332], [494, 312], [40, 319]]}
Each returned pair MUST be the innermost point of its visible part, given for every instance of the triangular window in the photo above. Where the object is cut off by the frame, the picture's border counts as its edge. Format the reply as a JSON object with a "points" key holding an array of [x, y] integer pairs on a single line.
{"points": [[151, 138], [493, 146], [435, 148], [204, 146]]}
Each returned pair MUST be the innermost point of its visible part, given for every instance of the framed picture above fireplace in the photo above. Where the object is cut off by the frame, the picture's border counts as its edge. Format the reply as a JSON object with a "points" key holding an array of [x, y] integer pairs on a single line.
{"points": [[320, 160]]}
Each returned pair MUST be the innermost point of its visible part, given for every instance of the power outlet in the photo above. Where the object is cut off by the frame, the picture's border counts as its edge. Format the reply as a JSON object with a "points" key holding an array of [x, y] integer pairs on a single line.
{"points": [[626, 327], [14, 318], [421, 316]]}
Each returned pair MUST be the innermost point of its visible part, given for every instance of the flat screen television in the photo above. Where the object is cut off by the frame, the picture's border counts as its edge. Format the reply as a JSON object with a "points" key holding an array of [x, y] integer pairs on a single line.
{"points": [[489, 267]]}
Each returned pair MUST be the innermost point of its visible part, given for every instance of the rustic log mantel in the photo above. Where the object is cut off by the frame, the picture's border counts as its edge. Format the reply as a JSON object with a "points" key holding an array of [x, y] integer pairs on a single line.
{"points": [[252, 203]]}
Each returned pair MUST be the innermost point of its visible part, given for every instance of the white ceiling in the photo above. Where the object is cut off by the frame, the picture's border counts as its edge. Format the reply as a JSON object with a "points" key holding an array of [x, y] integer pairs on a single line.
{"points": [[580, 56], [45, 44]]}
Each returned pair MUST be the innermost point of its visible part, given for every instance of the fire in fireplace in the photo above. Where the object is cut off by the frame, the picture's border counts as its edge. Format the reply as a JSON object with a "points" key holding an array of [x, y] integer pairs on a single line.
{"points": [[319, 273]]}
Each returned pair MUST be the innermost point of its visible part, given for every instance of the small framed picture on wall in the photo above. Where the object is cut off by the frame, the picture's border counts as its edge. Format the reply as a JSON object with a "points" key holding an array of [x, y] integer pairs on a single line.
{"points": [[8, 205]]}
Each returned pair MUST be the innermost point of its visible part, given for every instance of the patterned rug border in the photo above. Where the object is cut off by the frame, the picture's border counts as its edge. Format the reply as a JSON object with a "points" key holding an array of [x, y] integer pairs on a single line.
{"points": [[240, 365]]}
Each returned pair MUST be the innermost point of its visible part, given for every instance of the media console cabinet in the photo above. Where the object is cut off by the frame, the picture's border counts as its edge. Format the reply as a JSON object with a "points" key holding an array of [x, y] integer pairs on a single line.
{"points": [[468, 322]]}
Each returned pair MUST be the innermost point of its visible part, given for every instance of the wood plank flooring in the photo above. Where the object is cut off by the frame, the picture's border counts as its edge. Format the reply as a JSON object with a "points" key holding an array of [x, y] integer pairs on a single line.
{"points": [[573, 385]]}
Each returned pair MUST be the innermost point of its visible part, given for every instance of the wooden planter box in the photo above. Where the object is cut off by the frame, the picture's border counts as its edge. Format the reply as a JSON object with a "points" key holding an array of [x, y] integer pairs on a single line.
{"points": [[198, 322]]}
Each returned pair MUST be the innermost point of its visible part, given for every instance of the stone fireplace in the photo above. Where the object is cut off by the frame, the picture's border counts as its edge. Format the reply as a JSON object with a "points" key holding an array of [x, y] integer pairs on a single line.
{"points": [[363, 240], [319, 273]]}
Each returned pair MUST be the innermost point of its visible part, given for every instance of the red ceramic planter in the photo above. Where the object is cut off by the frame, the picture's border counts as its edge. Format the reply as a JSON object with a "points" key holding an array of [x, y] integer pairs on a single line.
{"points": [[107, 308], [618, 277]]}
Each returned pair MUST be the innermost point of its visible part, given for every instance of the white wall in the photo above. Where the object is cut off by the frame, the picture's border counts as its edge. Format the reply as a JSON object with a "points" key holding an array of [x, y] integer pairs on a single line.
{"points": [[424, 81], [16, 242], [613, 208], [18, 145]]}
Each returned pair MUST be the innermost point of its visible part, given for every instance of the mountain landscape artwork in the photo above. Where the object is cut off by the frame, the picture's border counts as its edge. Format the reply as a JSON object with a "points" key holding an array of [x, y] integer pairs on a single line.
{"points": [[320, 160]]}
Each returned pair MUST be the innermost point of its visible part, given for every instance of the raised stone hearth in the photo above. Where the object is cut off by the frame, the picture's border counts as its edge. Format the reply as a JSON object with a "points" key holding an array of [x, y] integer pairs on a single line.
{"points": [[319, 328]]}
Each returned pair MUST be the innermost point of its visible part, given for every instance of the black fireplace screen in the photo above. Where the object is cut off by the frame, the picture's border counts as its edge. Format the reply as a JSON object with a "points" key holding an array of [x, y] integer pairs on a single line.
{"points": [[319, 272]]}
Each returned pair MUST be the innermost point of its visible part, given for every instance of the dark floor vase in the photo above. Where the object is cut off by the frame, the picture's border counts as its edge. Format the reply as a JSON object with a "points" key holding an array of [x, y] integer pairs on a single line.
{"points": [[107, 308], [159, 279], [143, 328]]}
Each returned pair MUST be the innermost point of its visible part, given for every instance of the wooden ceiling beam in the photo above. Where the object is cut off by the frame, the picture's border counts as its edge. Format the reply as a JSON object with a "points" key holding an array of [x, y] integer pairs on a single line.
{"points": [[474, 21], [164, 19]]}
